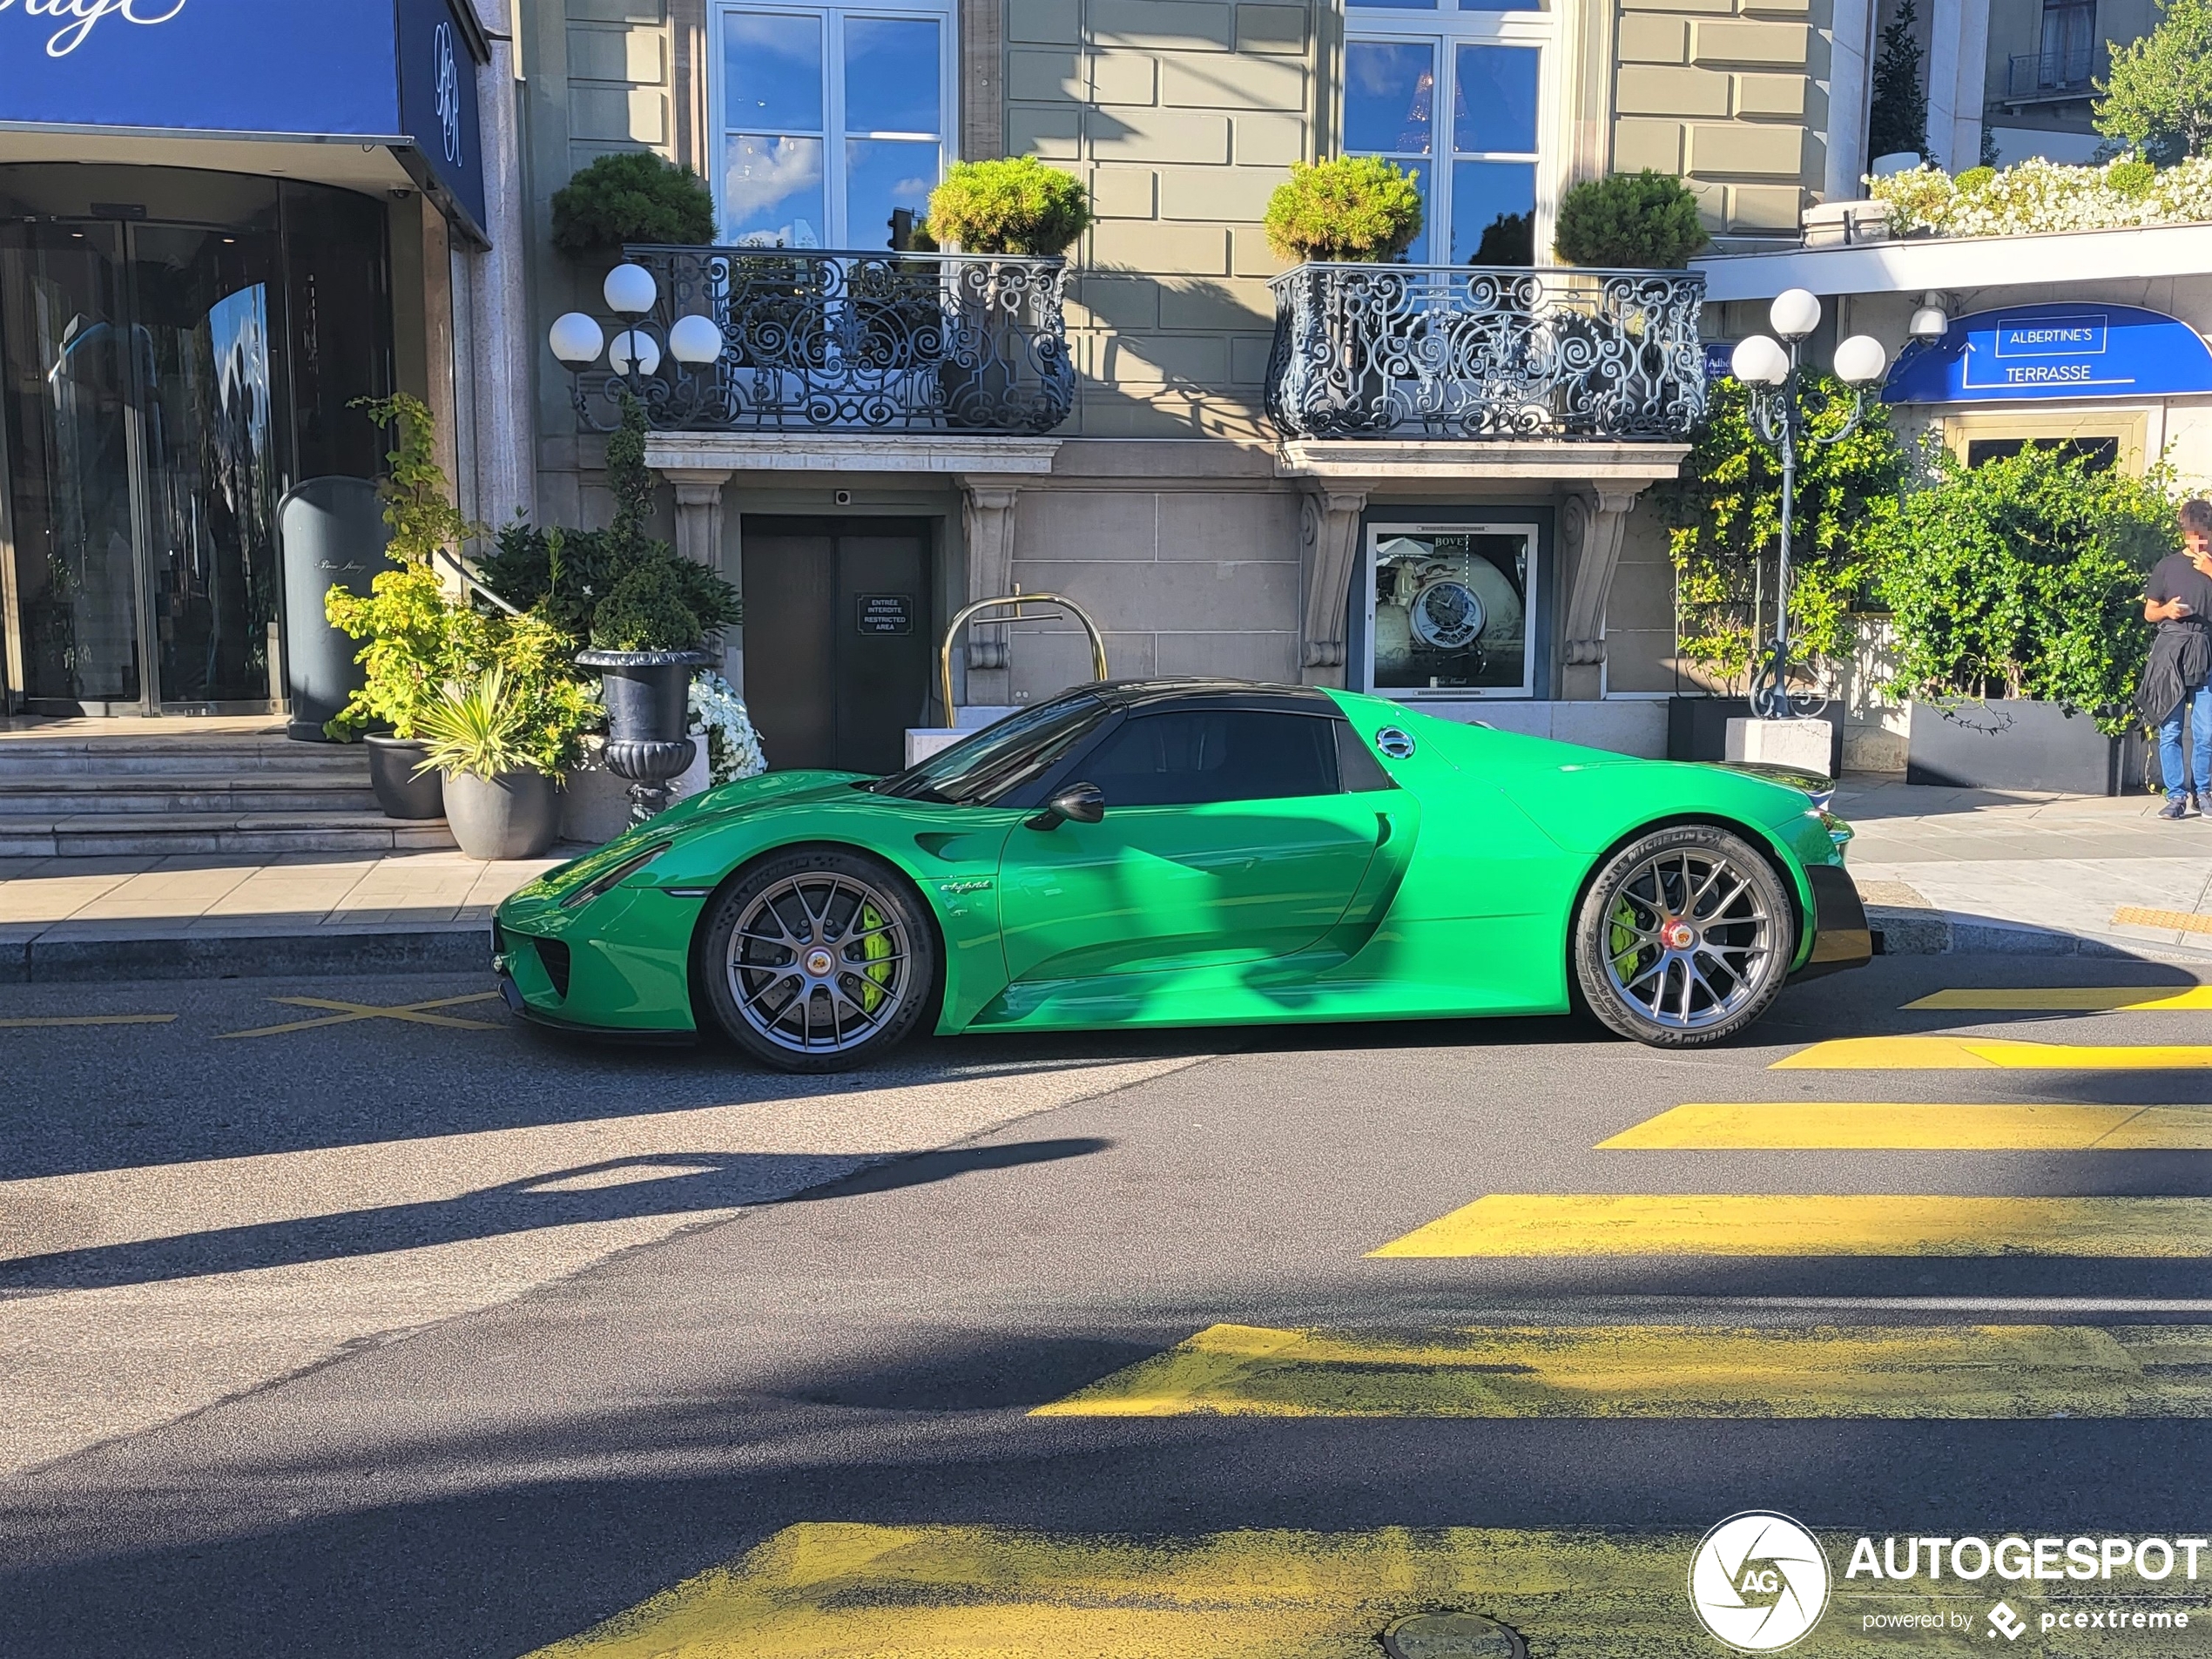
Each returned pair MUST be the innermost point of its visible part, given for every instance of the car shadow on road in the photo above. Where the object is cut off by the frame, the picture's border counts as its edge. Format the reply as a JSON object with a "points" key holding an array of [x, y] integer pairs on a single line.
{"points": [[658, 1184]]}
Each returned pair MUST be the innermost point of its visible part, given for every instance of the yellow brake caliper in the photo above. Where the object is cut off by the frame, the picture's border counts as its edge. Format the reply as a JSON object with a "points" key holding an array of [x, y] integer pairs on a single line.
{"points": [[876, 953]]}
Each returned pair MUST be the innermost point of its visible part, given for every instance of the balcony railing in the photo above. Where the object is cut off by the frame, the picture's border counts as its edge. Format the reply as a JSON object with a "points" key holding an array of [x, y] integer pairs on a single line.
{"points": [[2050, 74], [818, 340], [1399, 351]]}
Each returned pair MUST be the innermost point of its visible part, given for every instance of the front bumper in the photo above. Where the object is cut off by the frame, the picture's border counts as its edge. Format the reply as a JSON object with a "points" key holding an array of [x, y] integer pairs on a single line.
{"points": [[1841, 938]]}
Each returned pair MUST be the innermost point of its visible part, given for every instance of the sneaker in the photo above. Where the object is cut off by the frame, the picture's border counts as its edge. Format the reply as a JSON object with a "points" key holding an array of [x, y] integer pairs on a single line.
{"points": [[2176, 807]]}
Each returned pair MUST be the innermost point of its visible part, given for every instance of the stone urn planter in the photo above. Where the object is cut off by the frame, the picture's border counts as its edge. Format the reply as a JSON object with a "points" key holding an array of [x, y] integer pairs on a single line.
{"points": [[514, 815], [646, 696], [401, 790]]}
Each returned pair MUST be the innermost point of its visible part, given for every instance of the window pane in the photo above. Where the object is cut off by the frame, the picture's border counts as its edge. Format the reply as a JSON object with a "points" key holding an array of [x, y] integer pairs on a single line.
{"points": [[772, 67], [1213, 755], [1494, 213], [1396, 6], [1388, 86], [887, 183], [772, 191], [1494, 101], [892, 76], [1451, 611], [1501, 5]]}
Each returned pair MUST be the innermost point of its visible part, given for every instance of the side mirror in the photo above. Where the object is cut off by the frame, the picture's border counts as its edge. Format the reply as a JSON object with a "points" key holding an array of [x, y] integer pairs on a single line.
{"points": [[1077, 804]]}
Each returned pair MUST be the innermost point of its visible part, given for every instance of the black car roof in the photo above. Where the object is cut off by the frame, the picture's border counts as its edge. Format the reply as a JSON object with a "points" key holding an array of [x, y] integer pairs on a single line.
{"points": [[1196, 691]]}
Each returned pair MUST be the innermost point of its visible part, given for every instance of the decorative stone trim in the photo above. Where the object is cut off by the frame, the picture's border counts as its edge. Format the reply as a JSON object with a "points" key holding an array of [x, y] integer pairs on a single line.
{"points": [[732, 452], [1367, 463], [1329, 538], [1591, 526]]}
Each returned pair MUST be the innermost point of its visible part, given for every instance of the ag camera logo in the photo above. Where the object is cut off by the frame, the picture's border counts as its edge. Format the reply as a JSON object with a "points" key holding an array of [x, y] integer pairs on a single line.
{"points": [[1759, 1581]]}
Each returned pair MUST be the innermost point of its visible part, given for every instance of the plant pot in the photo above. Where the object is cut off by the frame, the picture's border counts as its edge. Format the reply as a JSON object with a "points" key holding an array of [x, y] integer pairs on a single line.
{"points": [[646, 697], [400, 791], [2019, 742], [516, 815]]}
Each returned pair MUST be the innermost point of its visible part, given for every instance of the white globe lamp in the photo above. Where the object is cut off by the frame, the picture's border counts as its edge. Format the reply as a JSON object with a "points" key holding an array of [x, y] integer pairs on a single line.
{"points": [[1759, 361], [633, 347], [1794, 314], [576, 340], [694, 340], [1860, 360], [630, 290]]}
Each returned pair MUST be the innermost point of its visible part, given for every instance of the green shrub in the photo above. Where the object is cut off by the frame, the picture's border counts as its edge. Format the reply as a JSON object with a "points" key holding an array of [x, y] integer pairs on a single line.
{"points": [[475, 728], [2132, 176], [1354, 209], [1015, 205], [418, 497], [1975, 177], [2036, 195], [2159, 97], [631, 196], [1724, 512], [644, 612], [2024, 577], [1643, 221]]}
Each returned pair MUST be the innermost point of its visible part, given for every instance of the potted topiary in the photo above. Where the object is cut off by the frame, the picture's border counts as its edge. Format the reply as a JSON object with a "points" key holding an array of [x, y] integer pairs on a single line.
{"points": [[1629, 221], [1018, 206], [499, 801], [631, 196], [1355, 210], [407, 619]]}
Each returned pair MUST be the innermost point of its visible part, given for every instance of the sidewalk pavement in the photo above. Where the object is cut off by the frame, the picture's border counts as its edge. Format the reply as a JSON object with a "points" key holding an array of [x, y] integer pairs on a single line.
{"points": [[194, 915], [1961, 869], [1940, 869]]}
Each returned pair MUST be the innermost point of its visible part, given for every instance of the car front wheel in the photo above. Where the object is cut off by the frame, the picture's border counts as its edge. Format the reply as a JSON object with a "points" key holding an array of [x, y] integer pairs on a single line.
{"points": [[817, 961], [1684, 938]]}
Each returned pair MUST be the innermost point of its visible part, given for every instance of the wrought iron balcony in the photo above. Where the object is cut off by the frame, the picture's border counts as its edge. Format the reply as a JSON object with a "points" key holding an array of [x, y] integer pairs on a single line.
{"points": [[821, 341], [2066, 74], [1439, 351]]}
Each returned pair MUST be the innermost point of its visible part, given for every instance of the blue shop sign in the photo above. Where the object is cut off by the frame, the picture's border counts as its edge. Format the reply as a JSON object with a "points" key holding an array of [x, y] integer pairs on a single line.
{"points": [[2031, 353], [1719, 360], [399, 73]]}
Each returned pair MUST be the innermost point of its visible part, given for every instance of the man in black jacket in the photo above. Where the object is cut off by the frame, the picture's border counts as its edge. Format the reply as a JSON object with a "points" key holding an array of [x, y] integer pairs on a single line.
{"points": [[2178, 680]]}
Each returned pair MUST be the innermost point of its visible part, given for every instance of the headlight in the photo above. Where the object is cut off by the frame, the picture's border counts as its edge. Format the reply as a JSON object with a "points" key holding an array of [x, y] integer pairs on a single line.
{"points": [[607, 879]]}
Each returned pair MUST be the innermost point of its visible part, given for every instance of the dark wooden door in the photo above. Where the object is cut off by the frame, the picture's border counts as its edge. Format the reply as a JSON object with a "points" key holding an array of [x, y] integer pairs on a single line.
{"points": [[838, 638]]}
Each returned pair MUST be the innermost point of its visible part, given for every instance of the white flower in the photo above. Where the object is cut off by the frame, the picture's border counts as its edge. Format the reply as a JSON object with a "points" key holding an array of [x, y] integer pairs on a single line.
{"points": [[2036, 195], [719, 715]]}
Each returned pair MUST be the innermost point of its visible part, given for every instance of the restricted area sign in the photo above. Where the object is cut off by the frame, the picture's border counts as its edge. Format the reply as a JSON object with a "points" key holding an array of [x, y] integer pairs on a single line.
{"points": [[2039, 353], [886, 613]]}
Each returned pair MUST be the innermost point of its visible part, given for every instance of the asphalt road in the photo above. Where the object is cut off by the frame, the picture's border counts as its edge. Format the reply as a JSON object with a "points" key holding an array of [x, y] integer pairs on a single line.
{"points": [[792, 1337]]}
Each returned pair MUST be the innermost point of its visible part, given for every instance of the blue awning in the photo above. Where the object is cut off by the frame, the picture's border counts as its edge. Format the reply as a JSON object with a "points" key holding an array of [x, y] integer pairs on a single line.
{"points": [[396, 73], [2057, 352]]}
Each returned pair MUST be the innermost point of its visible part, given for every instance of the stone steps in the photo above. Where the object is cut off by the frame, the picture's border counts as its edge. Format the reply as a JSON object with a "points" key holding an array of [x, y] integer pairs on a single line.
{"points": [[126, 789]]}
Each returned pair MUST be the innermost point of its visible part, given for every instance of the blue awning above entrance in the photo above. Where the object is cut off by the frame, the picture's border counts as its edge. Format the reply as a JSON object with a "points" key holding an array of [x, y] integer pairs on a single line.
{"points": [[2058, 352], [394, 73]]}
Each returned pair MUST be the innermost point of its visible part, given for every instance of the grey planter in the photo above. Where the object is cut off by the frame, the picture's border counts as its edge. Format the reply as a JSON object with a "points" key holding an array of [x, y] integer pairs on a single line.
{"points": [[400, 791], [516, 815], [2018, 743]]}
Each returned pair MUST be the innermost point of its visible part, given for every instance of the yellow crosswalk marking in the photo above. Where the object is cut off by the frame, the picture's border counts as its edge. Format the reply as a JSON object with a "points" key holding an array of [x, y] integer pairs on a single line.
{"points": [[2076, 999], [1900, 1372], [831, 1591], [1990, 1054], [1525, 1223], [348, 1013], [87, 1019], [1825, 1125]]}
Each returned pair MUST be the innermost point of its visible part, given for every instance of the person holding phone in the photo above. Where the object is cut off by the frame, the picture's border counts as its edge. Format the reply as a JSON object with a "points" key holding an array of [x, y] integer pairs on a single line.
{"points": [[2178, 681]]}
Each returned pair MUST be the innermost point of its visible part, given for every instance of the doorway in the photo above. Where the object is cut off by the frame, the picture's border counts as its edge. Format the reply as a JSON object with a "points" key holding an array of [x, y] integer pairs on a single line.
{"points": [[165, 380], [838, 638]]}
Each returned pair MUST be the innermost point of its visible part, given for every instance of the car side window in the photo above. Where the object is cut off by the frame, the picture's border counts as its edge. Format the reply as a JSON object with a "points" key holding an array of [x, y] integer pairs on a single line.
{"points": [[1356, 768], [1190, 757]]}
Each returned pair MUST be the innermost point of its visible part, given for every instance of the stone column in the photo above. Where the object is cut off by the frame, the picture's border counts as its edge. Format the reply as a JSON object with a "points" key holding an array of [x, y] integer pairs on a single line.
{"points": [[1591, 524], [699, 537], [1329, 537], [503, 345], [988, 521]]}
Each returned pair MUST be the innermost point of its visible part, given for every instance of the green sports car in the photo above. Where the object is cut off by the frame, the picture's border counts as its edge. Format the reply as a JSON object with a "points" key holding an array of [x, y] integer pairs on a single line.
{"points": [[1194, 853]]}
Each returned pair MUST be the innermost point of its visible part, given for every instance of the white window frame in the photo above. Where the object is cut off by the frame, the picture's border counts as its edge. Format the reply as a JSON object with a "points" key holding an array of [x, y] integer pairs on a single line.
{"points": [[837, 233], [1444, 30], [1530, 612]]}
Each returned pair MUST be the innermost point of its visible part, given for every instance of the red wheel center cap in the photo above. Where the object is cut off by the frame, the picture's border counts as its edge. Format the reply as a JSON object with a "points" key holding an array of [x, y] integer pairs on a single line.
{"points": [[1677, 934]]}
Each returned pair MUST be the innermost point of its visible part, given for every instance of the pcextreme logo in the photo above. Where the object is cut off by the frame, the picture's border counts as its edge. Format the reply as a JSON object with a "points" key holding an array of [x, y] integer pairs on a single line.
{"points": [[1759, 1581]]}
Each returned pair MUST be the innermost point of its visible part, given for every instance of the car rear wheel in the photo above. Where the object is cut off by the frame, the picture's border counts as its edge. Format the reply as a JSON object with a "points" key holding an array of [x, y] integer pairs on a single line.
{"points": [[1684, 938], [817, 961]]}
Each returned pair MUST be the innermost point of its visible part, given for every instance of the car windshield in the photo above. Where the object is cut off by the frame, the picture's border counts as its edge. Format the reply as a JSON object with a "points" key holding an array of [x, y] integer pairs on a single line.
{"points": [[978, 770]]}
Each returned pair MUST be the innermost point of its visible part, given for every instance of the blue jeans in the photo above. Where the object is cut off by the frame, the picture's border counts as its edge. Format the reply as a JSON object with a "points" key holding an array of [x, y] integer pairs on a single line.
{"points": [[2197, 705]]}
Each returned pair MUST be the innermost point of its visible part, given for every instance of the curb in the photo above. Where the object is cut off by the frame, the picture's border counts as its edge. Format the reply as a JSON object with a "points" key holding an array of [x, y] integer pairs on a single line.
{"points": [[1900, 932], [256, 955]]}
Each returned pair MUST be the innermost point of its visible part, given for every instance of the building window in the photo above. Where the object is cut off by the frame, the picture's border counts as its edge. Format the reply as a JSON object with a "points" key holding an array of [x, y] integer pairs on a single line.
{"points": [[1454, 99], [1450, 610], [834, 122]]}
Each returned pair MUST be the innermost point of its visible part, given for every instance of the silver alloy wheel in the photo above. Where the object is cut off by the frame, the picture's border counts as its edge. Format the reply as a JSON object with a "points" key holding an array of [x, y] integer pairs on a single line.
{"points": [[819, 962], [1688, 939]]}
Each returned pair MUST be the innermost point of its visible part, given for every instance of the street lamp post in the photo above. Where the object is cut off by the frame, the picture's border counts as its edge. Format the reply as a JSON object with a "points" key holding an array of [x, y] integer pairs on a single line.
{"points": [[634, 353], [1770, 369]]}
